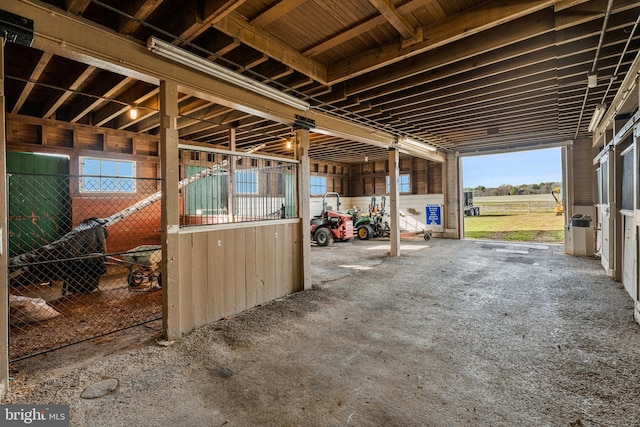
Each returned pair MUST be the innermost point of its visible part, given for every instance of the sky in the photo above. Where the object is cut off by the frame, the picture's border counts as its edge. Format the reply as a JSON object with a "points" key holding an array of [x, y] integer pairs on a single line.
{"points": [[524, 167]]}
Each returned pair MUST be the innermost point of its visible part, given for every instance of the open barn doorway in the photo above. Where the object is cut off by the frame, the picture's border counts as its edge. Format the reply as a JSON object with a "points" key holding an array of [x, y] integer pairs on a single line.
{"points": [[514, 196]]}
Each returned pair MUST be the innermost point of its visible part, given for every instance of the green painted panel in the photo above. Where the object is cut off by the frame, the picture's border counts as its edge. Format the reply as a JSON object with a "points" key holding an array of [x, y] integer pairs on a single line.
{"points": [[207, 195], [290, 195], [39, 200]]}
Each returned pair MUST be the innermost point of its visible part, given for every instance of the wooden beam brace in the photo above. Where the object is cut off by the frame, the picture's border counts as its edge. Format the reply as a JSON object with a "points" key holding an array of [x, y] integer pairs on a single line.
{"points": [[280, 9], [522, 30], [139, 9], [35, 76], [592, 10], [50, 111], [108, 94], [485, 16], [360, 29], [235, 26], [75, 38], [566, 4], [389, 12], [198, 17], [510, 58], [76, 7]]}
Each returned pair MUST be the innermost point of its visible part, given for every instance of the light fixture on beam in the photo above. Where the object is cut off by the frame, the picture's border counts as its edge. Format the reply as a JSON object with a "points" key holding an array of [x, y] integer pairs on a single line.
{"points": [[133, 113], [196, 62], [597, 116], [592, 80], [366, 158], [408, 142]]}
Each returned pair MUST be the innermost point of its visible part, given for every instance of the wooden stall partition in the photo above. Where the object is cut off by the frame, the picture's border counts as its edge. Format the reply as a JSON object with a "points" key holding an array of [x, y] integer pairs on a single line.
{"points": [[4, 253], [235, 267]]}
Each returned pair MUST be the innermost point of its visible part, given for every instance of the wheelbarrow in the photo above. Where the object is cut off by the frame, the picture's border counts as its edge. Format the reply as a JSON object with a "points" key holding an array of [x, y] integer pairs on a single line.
{"points": [[143, 263]]}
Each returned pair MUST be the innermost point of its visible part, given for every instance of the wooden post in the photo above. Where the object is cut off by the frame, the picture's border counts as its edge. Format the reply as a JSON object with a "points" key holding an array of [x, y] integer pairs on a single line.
{"points": [[394, 201], [4, 249], [230, 174], [170, 215], [304, 209], [453, 215]]}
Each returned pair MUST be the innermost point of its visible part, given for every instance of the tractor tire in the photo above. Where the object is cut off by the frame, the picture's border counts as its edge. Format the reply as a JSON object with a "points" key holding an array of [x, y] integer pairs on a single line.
{"points": [[365, 232], [135, 278], [324, 237]]}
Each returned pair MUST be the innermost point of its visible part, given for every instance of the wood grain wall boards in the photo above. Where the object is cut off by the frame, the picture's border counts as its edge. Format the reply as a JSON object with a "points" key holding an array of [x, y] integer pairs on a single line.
{"points": [[199, 257], [583, 172], [329, 32], [233, 269], [185, 284]]}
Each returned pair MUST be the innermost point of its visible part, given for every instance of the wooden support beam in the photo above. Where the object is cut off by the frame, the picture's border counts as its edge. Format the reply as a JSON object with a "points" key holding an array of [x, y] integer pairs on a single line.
{"points": [[389, 12], [235, 26], [35, 76], [566, 4], [278, 10], [171, 316], [4, 234], [523, 33], [50, 111], [69, 36], [198, 16], [361, 28], [108, 94], [76, 7], [394, 202], [135, 94], [139, 9], [485, 16], [230, 173], [304, 209]]}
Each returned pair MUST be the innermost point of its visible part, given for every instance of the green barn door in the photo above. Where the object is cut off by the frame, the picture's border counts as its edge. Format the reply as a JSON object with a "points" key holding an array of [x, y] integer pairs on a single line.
{"points": [[39, 200]]}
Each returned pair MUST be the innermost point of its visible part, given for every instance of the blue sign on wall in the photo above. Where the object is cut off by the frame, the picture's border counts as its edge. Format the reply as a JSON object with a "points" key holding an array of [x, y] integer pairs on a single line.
{"points": [[433, 215]]}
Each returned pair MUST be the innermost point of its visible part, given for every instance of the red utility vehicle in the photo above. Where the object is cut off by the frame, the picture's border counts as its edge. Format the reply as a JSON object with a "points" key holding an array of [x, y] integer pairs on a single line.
{"points": [[331, 225]]}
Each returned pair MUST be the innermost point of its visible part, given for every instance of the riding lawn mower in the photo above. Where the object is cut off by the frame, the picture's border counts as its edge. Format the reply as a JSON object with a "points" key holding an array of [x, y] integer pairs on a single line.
{"points": [[331, 225]]}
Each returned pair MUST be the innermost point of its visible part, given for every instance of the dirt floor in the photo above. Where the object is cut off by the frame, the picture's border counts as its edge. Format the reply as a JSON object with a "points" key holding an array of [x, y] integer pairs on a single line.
{"points": [[450, 333]]}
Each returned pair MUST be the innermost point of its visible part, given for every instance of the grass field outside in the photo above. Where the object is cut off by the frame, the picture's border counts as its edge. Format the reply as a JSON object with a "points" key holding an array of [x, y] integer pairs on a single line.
{"points": [[516, 218]]}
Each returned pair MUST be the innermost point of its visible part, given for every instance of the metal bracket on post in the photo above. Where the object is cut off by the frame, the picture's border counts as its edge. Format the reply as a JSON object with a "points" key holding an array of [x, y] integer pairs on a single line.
{"points": [[16, 29], [303, 123]]}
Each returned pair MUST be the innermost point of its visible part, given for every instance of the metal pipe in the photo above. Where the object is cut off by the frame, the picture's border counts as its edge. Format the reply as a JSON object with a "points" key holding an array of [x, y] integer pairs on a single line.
{"points": [[614, 76], [595, 64]]}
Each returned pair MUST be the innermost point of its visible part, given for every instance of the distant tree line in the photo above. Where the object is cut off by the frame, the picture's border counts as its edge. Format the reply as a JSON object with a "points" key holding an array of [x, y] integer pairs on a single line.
{"points": [[514, 190]]}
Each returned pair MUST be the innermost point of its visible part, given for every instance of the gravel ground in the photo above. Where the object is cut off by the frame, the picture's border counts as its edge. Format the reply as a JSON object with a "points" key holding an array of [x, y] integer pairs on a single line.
{"points": [[452, 333]]}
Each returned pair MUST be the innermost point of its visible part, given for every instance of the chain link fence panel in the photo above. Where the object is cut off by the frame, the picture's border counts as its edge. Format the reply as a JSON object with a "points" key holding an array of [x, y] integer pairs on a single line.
{"points": [[82, 263]]}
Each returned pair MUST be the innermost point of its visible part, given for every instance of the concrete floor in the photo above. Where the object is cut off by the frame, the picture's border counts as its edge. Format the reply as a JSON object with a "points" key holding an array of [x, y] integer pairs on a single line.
{"points": [[451, 333]]}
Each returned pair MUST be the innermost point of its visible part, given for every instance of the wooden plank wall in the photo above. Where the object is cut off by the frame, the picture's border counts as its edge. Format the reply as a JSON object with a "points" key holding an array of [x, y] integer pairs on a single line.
{"points": [[337, 175], [583, 172], [49, 136], [369, 178], [231, 270]]}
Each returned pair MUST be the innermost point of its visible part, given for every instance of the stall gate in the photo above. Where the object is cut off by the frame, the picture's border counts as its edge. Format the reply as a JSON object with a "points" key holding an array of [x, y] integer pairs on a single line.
{"points": [[73, 276]]}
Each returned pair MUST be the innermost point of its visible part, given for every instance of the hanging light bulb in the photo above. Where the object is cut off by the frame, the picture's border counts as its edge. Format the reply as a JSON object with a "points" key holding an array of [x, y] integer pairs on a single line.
{"points": [[366, 157], [133, 113], [288, 143]]}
